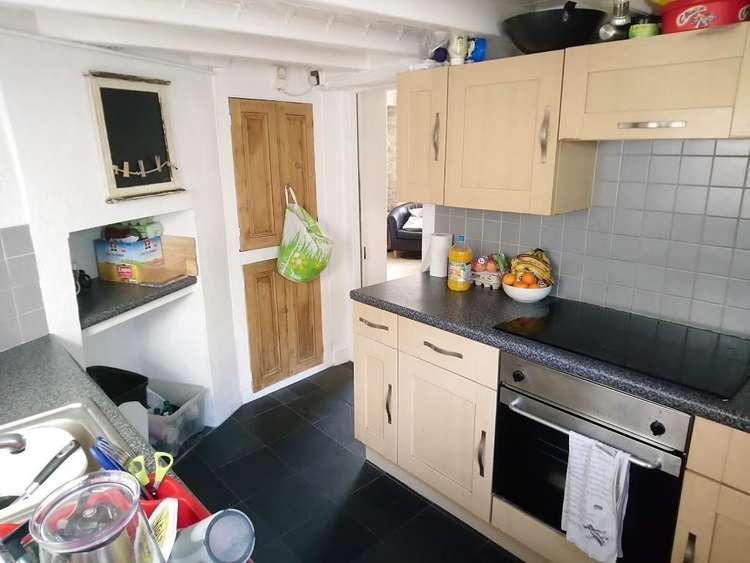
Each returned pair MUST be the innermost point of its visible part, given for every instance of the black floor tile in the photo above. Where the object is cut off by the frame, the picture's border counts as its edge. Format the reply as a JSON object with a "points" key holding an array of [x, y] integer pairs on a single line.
{"points": [[265, 534], [384, 505], [253, 408], [288, 503], [340, 427], [330, 537], [338, 381], [492, 553], [192, 442], [304, 447], [251, 473], [431, 537], [273, 425], [226, 443], [340, 475], [318, 404], [204, 484], [276, 552], [295, 391]]}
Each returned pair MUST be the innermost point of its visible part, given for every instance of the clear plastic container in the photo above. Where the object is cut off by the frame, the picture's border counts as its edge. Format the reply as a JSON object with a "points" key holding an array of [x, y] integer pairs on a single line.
{"points": [[96, 518], [459, 265], [168, 433]]}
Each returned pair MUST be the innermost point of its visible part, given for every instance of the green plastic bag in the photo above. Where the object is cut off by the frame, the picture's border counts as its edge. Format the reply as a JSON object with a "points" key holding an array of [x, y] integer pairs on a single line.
{"points": [[305, 250]]}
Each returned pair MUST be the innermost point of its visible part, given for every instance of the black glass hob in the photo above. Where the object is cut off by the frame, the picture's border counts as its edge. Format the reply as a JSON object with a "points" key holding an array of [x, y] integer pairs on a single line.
{"points": [[701, 359]]}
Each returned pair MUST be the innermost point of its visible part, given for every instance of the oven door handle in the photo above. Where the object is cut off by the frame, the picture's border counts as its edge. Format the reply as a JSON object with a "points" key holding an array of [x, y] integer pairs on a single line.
{"points": [[514, 406]]}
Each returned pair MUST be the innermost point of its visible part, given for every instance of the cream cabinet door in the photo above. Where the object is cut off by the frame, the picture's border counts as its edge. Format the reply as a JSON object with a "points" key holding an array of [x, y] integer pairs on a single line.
{"points": [[420, 135], [502, 133], [375, 395], [713, 525], [681, 85], [446, 433]]}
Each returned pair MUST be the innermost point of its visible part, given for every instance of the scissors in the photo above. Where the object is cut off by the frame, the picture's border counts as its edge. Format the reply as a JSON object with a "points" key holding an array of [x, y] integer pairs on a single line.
{"points": [[163, 462]]}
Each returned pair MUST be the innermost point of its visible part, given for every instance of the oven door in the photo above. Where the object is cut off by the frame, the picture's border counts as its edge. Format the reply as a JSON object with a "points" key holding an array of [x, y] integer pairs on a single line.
{"points": [[531, 458]]}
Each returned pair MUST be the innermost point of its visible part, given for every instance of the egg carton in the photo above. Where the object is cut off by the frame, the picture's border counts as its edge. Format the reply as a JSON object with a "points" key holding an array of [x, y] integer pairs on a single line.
{"points": [[487, 279]]}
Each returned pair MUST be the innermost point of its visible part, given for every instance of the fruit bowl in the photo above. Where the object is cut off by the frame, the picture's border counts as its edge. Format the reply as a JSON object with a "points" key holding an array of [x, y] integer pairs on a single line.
{"points": [[526, 295]]}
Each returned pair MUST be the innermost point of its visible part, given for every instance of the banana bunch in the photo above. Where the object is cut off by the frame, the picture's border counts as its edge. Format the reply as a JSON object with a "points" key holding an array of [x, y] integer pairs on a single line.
{"points": [[537, 262]]}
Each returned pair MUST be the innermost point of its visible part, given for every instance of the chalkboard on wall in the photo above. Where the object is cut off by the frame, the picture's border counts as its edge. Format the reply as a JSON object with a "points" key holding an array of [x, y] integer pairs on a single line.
{"points": [[134, 132]]}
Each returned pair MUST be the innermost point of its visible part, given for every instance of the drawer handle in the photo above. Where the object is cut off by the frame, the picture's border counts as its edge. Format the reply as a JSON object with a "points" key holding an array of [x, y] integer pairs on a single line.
{"points": [[480, 453], [443, 351], [652, 124], [544, 135], [388, 403], [436, 136], [690, 549], [372, 325]]}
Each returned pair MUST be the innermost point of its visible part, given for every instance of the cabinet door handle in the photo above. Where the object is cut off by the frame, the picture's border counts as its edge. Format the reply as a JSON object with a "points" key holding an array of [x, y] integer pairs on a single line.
{"points": [[651, 124], [436, 136], [690, 549], [372, 325], [480, 453], [443, 351], [544, 135], [388, 403]]}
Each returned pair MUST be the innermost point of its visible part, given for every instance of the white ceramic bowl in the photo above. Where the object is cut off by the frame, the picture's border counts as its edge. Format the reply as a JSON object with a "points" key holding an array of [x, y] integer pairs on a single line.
{"points": [[525, 295]]}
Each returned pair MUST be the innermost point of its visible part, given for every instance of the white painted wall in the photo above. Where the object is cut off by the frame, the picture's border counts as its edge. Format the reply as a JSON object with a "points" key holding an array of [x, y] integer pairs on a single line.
{"points": [[12, 201], [335, 169], [47, 100]]}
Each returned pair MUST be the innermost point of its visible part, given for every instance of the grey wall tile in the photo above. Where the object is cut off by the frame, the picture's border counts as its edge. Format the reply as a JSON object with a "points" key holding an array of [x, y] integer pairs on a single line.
{"points": [[610, 147], [577, 219], [531, 227], [628, 222], [691, 199], [631, 195], [706, 314], [510, 249], [695, 170], [687, 228], [714, 260], [741, 264], [511, 217], [699, 146], [621, 273], [667, 146], [738, 293], [736, 320], [653, 251], [683, 255], [575, 240], [10, 334], [28, 298], [474, 228], [608, 167], [657, 224], [675, 308], [745, 210], [724, 202], [636, 147], [650, 277], [743, 236], [679, 282], [605, 193], [572, 264], [554, 221], [490, 247], [475, 213], [710, 288], [660, 197], [551, 238], [595, 269], [647, 302], [719, 231], [442, 224], [570, 287], [664, 169], [16, 241], [593, 292], [510, 232], [493, 216], [634, 168], [7, 306], [625, 247], [491, 230], [729, 171], [5, 282], [599, 244], [733, 147], [619, 297], [601, 219], [33, 325], [457, 224], [23, 269]]}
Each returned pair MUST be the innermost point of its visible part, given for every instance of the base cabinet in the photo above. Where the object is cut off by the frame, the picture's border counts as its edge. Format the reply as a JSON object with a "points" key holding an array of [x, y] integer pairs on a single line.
{"points": [[446, 433], [375, 395]]}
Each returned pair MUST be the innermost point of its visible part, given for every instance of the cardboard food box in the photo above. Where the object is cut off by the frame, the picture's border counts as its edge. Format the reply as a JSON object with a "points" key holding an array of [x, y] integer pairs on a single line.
{"points": [[128, 262]]}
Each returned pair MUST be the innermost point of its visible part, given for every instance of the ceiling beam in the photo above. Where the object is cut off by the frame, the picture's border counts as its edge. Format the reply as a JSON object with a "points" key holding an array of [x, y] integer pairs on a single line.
{"points": [[258, 19], [130, 34]]}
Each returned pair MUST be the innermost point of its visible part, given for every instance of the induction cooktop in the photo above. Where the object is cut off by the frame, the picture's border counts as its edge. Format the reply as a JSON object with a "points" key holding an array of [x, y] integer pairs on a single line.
{"points": [[701, 359]]}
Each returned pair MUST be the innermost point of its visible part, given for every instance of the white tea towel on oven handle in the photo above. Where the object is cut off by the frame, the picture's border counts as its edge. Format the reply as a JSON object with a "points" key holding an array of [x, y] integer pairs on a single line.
{"points": [[596, 497]]}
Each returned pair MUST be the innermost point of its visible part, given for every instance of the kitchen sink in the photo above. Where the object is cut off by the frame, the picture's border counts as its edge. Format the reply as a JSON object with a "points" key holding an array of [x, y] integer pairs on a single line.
{"points": [[84, 421]]}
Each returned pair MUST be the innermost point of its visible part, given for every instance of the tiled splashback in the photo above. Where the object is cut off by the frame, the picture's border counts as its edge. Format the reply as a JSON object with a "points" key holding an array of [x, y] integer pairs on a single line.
{"points": [[667, 234], [22, 315]]}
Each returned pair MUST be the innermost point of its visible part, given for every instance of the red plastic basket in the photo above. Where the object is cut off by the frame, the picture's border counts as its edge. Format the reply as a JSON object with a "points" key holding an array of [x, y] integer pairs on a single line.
{"points": [[189, 509]]}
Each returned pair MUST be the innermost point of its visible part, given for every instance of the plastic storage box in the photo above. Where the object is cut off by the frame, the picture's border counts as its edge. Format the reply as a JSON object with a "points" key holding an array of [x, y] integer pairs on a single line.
{"points": [[168, 433], [120, 385]]}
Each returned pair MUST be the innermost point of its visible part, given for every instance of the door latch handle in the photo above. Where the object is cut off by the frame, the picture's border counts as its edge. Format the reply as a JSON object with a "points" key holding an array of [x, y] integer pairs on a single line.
{"points": [[443, 351], [388, 403], [372, 324], [544, 135], [480, 453], [690, 549], [436, 136]]}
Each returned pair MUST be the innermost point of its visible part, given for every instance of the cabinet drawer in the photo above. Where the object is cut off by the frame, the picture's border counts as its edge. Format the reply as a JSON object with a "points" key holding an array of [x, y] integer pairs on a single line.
{"points": [[377, 324], [681, 85], [465, 357], [737, 468], [721, 453]]}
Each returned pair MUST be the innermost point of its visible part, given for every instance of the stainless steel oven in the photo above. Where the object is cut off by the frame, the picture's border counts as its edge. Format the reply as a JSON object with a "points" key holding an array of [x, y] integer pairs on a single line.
{"points": [[537, 407]]}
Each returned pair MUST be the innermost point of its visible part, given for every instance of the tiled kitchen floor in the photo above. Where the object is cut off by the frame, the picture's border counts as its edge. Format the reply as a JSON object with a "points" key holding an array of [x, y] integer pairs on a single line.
{"points": [[291, 463]]}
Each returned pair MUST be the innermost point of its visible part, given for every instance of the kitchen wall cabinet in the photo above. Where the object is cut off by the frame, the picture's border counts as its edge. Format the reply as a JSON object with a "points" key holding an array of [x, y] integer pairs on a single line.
{"points": [[420, 135], [284, 324], [272, 145], [376, 395], [682, 85], [502, 150], [446, 432]]}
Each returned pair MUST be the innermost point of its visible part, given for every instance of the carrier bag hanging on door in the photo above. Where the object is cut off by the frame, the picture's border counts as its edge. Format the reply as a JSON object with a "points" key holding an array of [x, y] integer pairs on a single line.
{"points": [[305, 250]]}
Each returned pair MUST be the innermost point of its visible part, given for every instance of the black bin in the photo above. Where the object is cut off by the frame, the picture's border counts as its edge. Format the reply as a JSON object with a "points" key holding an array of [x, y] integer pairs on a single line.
{"points": [[120, 385]]}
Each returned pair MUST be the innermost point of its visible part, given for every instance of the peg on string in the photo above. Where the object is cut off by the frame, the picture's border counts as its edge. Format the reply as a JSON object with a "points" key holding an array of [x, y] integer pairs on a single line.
{"points": [[126, 170], [142, 169]]}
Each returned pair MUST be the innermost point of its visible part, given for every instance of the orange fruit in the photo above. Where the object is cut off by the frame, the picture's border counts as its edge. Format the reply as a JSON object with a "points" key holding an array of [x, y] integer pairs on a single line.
{"points": [[528, 278], [521, 285], [509, 279], [533, 286]]}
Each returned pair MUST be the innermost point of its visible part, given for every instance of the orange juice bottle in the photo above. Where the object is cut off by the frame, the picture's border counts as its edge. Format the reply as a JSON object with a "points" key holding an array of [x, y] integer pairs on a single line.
{"points": [[459, 265]]}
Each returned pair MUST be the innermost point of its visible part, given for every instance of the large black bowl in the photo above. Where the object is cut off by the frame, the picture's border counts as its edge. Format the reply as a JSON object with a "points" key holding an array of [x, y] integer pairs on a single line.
{"points": [[548, 30]]}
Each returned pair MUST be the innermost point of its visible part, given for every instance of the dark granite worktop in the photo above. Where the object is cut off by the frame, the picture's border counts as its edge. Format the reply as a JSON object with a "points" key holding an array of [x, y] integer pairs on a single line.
{"points": [[474, 313], [104, 299]]}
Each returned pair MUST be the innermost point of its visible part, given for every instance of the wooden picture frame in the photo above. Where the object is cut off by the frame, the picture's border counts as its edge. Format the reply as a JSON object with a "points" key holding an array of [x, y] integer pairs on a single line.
{"points": [[132, 118]]}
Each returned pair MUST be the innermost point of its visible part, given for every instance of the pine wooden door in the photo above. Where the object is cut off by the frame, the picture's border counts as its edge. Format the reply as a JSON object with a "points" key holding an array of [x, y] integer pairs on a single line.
{"points": [[446, 432], [681, 85], [420, 135], [272, 144], [502, 133], [376, 395], [304, 329], [267, 323]]}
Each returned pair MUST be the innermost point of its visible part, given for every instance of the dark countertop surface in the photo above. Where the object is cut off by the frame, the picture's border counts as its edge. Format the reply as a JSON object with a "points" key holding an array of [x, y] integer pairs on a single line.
{"points": [[474, 313], [40, 375], [104, 300]]}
